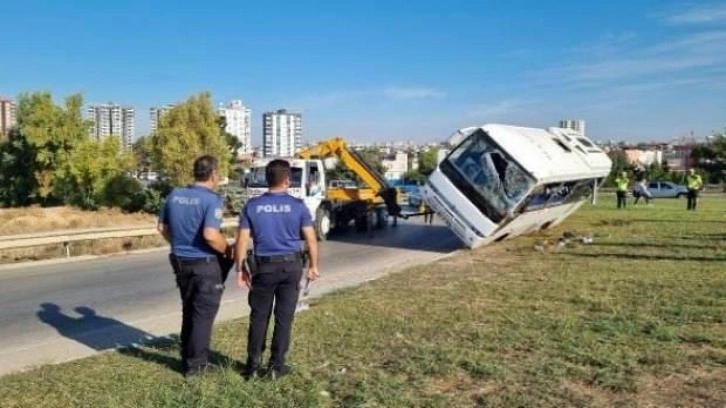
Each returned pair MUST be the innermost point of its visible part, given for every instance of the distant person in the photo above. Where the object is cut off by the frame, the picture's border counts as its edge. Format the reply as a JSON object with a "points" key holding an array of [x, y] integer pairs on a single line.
{"points": [[191, 222], [314, 186], [275, 221], [695, 185], [621, 184], [427, 212], [641, 190]]}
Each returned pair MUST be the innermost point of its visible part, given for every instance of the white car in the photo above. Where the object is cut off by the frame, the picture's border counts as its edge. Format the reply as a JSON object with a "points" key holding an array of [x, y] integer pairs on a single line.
{"points": [[666, 189]]}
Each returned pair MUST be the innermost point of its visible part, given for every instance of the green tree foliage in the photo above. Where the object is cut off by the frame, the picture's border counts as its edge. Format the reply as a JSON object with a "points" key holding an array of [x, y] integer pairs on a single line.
{"points": [[143, 150], [620, 164], [186, 132], [18, 184], [94, 164], [414, 177], [53, 132], [711, 157], [374, 158], [233, 143], [427, 161], [50, 158], [339, 172], [125, 192]]}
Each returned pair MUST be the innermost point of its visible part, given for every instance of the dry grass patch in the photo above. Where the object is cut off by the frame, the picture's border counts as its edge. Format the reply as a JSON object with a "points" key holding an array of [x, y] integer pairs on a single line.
{"points": [[37, 219]]}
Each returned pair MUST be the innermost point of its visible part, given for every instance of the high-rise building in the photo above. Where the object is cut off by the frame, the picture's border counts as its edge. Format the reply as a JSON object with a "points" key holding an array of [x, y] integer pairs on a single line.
{"points": [[155, 114], [576, 125], [282, 133], [238, 118], [111, 119], [7, 117]]}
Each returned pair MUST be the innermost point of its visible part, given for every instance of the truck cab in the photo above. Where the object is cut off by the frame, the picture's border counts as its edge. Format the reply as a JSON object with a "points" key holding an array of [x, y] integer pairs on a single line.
{"points": [[307, 183], [367, 204]]}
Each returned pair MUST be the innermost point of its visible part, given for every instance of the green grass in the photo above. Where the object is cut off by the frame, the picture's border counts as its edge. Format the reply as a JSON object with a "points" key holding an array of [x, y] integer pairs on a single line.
{"points": [[636, 319]]}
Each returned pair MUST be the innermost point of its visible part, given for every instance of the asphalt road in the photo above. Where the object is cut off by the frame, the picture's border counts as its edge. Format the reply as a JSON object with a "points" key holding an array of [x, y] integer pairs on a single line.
{"points": [[64, 311]]}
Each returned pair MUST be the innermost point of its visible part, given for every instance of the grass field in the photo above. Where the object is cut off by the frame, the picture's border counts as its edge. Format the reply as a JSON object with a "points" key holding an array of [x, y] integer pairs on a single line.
{"points": [[638, 318]]}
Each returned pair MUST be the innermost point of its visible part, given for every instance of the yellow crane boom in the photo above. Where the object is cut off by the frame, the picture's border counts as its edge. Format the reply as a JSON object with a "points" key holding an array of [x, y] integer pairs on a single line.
{"points": [[337, 147]]}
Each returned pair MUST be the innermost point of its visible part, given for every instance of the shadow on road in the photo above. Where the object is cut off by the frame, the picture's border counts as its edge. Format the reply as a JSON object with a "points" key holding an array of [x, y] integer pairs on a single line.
{"points": [[90, 329], [410, 236], [106, 333]]}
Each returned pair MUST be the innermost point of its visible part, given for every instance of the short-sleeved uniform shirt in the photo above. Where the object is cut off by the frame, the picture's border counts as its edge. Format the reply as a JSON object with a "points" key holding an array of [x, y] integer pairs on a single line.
{"points": [[187, 211], [275, 221]]}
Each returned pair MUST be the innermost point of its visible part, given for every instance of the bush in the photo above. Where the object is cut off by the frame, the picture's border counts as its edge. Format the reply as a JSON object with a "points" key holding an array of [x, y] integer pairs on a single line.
{"points": [[154, 195], [124, 192]]}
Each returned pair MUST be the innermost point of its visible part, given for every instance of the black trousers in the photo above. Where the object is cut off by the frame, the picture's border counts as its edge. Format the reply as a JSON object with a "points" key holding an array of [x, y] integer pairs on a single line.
{"points": [[646, 197], [692, 199], [277, 283], [200, 283], [622, 198], [429, 218]]}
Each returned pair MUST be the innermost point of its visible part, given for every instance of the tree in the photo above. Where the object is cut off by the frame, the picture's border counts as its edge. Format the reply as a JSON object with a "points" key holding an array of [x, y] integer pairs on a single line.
{"points": [[94, 165], [620, 164], [143, 151], [374, 158], [414, 177], [233, 143], [711, 157], [427, 161], [339, 172], [51, 158], [18, 185], [52, 132], [186, 132]]}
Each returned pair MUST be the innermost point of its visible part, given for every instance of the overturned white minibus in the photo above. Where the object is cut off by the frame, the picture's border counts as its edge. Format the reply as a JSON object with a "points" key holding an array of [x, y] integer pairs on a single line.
{"points": [[499, 181]]}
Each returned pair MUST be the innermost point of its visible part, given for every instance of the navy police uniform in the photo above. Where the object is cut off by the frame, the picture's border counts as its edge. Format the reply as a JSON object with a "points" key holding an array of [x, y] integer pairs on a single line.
{"points": [[275, 221], [200, 270]]}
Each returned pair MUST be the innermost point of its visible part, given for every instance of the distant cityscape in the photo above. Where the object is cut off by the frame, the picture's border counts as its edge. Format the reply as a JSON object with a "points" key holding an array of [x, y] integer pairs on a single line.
{"points": [[282, 135]]}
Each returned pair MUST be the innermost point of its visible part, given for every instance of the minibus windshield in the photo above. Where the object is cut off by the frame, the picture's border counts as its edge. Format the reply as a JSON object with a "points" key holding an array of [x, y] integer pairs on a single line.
{"points": [[478, 166]]}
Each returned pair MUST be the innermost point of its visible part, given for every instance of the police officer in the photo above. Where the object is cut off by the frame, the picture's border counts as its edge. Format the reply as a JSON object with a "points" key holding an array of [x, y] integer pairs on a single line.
{"points": [[200, 257], [695, 184], [621, 184], [275, 222]]}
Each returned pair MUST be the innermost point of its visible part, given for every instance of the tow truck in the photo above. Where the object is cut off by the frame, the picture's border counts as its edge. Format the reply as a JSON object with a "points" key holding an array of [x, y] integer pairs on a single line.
{"points": [[333, 204]]}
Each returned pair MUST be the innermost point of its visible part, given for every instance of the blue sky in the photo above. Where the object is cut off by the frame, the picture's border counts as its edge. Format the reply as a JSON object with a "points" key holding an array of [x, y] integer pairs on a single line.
{"points": [[373, 70]]}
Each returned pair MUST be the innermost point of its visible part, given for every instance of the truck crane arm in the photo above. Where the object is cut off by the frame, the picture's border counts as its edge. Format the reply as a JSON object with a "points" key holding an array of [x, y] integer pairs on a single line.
{"points": [[337, 147]]}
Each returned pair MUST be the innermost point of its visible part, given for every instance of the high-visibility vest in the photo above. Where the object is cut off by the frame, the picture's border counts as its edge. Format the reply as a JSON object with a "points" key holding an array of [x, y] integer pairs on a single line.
{"points": [[622, 183], [694, 182]]}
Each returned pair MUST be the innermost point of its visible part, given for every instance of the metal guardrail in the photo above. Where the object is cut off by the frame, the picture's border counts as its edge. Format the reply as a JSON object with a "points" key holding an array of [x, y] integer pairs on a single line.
{"points": [[66, 237]]}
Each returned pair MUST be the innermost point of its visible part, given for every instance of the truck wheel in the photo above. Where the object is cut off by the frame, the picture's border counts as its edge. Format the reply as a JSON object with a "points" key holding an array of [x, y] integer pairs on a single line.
{"points": [[361, 223], [381, 219], [322, 224], [680, 195]]}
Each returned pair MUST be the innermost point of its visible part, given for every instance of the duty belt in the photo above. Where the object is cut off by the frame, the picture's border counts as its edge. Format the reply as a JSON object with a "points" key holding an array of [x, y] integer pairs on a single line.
{"points": [[296, 257], [193, 261]]}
